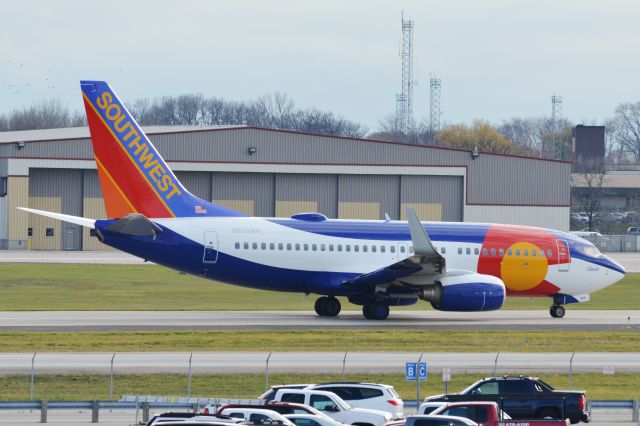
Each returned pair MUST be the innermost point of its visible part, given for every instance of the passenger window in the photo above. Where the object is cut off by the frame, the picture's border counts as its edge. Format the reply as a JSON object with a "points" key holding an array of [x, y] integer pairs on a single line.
{"points": [[489, 388], [322, 247], [263, 246], [493, 252], [323, 403], [330, 247], [534, 253], [549, 254], [402, 249], [367, 393], [258, 418], [272, 246], [289, 246], [509, 252], [501, 251], [381, 249], [476, 250], [526, 252], [236, 415], [392, 249], [292, 397], [246, 246], [517, 252], [297, 247], [356, 247], [444, 250], [305, 247], [347, 247], [373, 248], [280, 246], [468, 250], [314, 247], [255, 246], [364, 248], [339, 247], [237, 245], [485, 252], [459, 250]]}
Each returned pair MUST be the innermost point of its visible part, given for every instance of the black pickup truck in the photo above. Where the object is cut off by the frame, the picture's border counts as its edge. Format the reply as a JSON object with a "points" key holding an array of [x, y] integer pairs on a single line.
{"points": [[525, 398]]}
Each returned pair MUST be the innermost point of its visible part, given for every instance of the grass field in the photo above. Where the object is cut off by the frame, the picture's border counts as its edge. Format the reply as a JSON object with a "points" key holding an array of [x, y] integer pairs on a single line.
{"points": [[323, 340], [41, 287], [86, 387]]}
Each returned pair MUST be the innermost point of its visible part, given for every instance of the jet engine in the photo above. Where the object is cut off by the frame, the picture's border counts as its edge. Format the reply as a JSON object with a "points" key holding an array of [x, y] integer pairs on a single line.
{"points": [[465, 293]]}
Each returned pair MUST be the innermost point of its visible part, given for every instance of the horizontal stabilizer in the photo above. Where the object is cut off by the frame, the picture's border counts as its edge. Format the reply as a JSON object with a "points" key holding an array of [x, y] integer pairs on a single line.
{"points": [[135, 224], [82, 221]]}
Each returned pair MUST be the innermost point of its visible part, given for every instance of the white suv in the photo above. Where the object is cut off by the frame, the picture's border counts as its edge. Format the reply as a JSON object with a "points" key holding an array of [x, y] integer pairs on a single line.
{"points": [[374, 396]]}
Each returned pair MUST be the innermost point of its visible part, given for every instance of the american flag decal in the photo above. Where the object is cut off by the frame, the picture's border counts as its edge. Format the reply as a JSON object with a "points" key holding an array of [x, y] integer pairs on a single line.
{"points": [[200, 210]]}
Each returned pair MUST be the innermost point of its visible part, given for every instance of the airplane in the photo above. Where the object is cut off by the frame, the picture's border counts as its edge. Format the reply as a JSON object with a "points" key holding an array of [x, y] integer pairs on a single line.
{"points": [[373, 263]]}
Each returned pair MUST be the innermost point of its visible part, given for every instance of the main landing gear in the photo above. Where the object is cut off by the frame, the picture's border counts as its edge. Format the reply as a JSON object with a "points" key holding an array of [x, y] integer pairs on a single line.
{"points": [[327, 306], [375, 310], [557, 311]]}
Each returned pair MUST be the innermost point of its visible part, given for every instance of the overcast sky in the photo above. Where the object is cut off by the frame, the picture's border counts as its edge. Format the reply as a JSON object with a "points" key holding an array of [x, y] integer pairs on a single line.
{"points": [[497, 59]]}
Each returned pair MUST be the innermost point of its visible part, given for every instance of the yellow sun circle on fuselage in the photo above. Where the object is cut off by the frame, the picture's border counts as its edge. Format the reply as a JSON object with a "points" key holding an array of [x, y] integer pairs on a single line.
{"points": [[522, 270]]}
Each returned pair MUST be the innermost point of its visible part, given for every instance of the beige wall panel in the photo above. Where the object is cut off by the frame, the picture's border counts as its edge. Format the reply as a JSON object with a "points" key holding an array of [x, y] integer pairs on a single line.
{"points": [[288, 208], [425, 211], [546, 217], [18, 193], [247, 207], [93, 208], [39, 240], [353, 210]]}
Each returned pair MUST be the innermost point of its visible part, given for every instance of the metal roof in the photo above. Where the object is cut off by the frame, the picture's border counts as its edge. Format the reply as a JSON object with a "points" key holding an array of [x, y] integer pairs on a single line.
{"points": [[83, 132]]}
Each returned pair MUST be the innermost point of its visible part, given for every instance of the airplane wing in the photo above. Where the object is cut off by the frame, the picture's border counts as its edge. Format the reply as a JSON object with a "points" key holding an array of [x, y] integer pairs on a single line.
{"points": [[422, 268]]}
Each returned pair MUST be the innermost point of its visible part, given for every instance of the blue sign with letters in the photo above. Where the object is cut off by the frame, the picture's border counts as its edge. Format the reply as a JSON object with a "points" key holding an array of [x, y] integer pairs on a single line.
{"points": [[413, 371]]}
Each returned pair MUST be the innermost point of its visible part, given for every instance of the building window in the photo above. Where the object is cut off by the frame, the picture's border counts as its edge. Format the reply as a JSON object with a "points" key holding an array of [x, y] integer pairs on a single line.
{"points": [[49, 232], [29, 232]]}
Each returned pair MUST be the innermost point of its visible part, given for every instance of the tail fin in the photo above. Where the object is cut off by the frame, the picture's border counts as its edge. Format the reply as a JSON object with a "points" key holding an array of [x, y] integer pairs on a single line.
{"points": [[133, 176]]}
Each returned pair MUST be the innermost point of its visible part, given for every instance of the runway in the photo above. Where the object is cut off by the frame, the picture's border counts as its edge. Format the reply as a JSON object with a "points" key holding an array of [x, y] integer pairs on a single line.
{"points": [[312, 362], [306, 320]]}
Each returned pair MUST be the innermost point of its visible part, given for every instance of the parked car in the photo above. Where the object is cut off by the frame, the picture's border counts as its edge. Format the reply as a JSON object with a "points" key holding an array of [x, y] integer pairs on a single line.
{"points": [[633, 230], [429, 407], [278, 407], [438, 420], [164, 418], [257, 415], [542, 401], [312, 420], [578, 217], [375, 396], [334, 406], [486, 413]]}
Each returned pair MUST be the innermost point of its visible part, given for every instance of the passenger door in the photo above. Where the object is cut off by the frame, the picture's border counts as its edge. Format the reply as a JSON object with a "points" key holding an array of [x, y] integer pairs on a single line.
{"points": [[210, 254]]}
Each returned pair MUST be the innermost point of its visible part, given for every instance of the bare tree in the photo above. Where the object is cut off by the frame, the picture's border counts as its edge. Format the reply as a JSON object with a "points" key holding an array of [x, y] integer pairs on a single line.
{"points": [[188, 109], [588, 186], [628, 128]]}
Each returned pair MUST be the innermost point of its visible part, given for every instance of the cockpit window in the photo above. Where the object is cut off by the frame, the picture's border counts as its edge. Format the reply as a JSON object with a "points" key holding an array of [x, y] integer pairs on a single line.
{"points": [[591, 251]]}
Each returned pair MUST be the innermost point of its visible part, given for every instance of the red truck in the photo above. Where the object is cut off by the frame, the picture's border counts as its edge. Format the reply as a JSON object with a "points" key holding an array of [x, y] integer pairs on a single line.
{"points": [[484, 413]]}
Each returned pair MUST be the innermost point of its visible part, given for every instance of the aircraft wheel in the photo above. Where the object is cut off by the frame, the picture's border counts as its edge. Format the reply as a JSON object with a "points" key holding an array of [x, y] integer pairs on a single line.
{"points": [[557, 311], [332, 307], [375, 311], [320, 304]]}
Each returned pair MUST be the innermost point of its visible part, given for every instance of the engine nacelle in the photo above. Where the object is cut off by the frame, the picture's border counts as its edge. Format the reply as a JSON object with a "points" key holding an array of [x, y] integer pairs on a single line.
{"points": [[466, 293]]}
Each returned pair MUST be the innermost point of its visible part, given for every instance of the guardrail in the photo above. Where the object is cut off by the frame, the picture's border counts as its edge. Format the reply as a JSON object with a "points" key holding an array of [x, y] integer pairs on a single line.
{"points": [[146, 406]]}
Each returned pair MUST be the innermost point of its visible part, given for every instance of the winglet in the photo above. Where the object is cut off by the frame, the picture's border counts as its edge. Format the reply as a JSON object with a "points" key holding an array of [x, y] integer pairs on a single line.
{"points": [[421, 242], [82, 221]]}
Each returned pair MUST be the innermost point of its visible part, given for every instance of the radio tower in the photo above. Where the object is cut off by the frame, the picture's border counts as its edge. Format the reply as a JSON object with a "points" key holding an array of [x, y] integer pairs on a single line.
{"points": [[434, 104], [404, 99], [556, 118]]}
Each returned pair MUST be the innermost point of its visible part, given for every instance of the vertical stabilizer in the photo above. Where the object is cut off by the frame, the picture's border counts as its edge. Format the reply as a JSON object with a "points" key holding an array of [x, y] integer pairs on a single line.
{"points": [[133, 176]]}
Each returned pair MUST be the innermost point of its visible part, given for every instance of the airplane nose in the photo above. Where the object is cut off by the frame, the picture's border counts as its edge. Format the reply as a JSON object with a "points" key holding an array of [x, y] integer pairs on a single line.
{"points": [[612, 264]]}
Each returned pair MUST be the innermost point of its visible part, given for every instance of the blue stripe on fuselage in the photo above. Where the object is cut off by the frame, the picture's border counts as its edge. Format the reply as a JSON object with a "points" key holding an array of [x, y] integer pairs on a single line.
{"points": [[389, 231], [173, 250]]}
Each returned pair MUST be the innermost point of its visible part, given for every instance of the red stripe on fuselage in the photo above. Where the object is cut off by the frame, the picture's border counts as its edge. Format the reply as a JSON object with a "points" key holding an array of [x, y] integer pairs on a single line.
{"points": [[122, 168]]}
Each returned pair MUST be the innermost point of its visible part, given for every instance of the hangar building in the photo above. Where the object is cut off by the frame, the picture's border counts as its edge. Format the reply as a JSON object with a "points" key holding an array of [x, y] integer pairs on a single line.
{"points": [[266, 172]]}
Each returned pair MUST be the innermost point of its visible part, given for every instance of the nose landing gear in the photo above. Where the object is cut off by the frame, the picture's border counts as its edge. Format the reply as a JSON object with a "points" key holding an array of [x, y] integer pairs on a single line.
{"points": [[327, 306], [557, 311]]}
